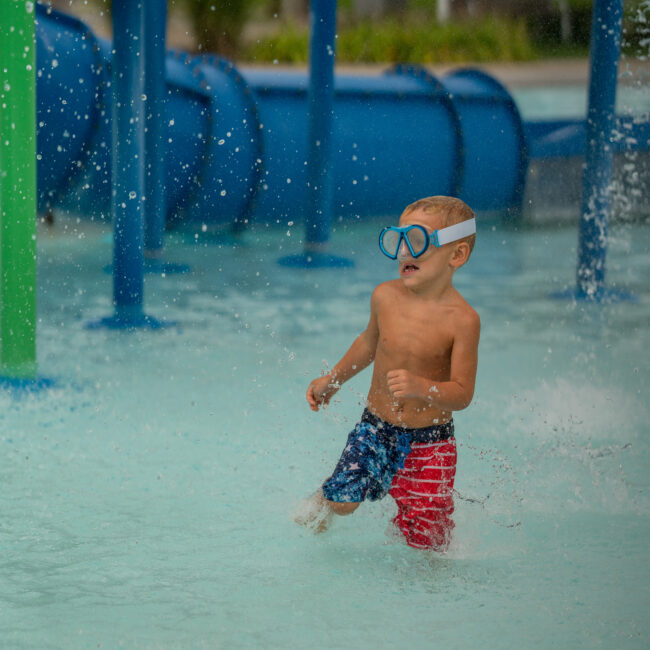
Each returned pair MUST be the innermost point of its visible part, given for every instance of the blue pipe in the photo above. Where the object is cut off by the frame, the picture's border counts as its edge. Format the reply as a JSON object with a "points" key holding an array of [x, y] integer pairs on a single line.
{"points": [[320, 101], [596, 192], [71, 133], [373, 136], [128, 86], [238, 148], [489, 148], [155, 28], [453, 123], [231, 163]]}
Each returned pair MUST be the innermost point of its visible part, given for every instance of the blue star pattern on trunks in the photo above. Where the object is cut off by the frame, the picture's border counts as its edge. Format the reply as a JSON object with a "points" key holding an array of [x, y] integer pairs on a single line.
{"points": [[374, 453]]}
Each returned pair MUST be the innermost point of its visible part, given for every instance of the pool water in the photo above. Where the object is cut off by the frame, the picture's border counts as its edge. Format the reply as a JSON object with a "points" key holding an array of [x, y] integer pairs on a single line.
{"points": [[148, 494], [570, 101]]}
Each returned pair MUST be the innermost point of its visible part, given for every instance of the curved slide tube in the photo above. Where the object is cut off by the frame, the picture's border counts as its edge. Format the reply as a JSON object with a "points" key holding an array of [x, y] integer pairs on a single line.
{"points": [[237, 143]]}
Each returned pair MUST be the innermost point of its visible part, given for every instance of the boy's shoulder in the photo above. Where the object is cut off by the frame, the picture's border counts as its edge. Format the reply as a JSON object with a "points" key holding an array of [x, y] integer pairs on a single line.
{"points": [[456, 306], [387, 289], [465, 312]]}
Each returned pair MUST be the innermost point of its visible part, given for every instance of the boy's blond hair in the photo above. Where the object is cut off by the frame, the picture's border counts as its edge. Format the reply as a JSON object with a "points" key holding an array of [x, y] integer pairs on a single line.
{"points": [[451, 210]]}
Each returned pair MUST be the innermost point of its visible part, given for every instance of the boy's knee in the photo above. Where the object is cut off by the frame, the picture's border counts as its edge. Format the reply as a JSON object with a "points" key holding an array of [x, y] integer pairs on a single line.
{"points": [[342, 508]]}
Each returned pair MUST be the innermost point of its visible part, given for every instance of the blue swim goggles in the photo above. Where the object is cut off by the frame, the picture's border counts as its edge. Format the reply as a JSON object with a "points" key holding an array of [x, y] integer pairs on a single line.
{"points": [[417, 239]]}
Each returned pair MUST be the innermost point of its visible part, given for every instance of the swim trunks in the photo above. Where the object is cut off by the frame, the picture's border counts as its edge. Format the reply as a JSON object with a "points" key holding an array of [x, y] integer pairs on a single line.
{"points": [[374, 453], [423, 490]]}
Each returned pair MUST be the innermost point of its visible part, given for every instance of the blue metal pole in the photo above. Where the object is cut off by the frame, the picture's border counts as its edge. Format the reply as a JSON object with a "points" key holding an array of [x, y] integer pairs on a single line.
{"points": [[155, 206], [596, 192], [318, 207], [128, 75], [321, 107], [128, 85]]}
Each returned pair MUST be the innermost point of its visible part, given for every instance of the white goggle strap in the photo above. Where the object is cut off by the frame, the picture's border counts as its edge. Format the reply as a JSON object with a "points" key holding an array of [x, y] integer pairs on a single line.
{"points": [[455, 232]]}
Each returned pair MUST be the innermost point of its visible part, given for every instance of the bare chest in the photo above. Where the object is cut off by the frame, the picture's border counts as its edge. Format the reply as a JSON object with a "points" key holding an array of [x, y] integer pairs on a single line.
{"points": [[415, 339]]}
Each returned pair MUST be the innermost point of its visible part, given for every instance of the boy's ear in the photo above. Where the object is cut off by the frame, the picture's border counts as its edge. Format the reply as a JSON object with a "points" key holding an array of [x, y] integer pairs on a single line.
{"points": [[460, 254]]}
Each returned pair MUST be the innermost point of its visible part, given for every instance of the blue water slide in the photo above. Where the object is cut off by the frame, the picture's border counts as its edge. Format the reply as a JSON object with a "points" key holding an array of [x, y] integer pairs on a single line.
{"points": [[236, 143], [393, 141]]}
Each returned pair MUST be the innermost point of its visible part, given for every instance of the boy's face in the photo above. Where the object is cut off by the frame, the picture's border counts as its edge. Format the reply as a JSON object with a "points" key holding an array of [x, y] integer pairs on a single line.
{"points": [[434, 262]]}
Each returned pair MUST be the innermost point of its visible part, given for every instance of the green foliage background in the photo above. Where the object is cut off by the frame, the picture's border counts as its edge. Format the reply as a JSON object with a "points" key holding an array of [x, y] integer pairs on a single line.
{"points": [[416, 42], [409, 32]]}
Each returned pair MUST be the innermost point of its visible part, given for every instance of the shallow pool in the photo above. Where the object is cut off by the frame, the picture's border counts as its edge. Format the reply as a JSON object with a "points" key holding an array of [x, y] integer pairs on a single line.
{"points": [[569, 101], [148, 495]]}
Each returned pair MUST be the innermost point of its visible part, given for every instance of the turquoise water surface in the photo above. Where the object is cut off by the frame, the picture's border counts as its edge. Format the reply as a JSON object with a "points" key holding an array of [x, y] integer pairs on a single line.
{"points": [[569, 101], [148, 495]]}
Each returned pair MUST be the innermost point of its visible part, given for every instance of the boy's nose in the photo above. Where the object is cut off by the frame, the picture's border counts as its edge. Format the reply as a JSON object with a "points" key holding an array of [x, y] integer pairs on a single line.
{"points": [[403, 250]]}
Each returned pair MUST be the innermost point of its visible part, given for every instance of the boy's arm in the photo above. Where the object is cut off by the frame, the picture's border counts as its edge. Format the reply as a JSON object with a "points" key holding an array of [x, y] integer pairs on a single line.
{"points": [[362, 351], [455, 394], [359, 356]]}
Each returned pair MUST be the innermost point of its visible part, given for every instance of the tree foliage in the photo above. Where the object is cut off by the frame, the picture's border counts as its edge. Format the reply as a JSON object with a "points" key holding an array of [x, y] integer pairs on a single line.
{"points": [[218, 24]]}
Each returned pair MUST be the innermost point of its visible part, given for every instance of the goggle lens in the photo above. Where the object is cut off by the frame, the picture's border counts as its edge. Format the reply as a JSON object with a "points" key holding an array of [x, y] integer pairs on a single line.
{"points": [[417, 239], [392, 240]]}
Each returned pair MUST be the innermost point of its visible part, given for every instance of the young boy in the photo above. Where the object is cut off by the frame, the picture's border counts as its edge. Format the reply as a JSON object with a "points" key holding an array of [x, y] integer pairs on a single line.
{"points": [[423, 338]]}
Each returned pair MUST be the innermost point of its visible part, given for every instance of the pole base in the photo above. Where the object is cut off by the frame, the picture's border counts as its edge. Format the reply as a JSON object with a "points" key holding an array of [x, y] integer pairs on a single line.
{"points": [[18, 387], [601, 295], [157, 267], [129, 318], [315, 260]]}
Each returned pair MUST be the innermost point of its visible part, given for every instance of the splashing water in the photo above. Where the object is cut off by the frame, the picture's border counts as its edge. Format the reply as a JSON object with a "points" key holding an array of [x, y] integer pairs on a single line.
{"points": [[149, 494]]}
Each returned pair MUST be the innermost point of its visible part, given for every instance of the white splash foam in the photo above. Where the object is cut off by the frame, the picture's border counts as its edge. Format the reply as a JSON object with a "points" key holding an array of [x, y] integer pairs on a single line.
{"points": [[574, 408]]}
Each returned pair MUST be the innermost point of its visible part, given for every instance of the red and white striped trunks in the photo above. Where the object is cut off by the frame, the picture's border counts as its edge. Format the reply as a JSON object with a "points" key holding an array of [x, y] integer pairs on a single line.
{"points": [[423, 491]]}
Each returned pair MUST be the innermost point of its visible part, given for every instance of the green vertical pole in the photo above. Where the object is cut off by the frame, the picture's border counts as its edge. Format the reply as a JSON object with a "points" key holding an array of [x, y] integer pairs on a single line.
{"points": [[17, 190]]}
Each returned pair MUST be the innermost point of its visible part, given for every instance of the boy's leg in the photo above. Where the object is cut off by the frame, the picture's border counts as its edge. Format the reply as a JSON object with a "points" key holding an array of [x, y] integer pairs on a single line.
{"points": [[341, 508], [423, 491], [363, 471], [317, 511]]}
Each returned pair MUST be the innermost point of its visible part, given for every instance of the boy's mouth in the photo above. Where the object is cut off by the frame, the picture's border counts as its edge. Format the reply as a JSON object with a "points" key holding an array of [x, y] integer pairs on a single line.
{"points": [[409, 268]]}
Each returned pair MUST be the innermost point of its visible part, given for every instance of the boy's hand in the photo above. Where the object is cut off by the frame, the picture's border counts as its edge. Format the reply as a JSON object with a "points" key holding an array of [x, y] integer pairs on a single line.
{"points": [[320, 391], [402, 383]]}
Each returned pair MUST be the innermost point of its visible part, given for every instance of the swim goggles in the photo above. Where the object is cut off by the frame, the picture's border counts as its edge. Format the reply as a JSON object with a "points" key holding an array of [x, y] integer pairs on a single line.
{"points": [[417, 239]]}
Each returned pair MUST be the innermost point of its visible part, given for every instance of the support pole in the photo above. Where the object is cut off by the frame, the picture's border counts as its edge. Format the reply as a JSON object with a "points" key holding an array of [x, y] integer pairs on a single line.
{"points": [[17, 191], [128, 180], [597, 177], [128, 75], [321, 110], [318, 215], [155, 128], [155, 141]]}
